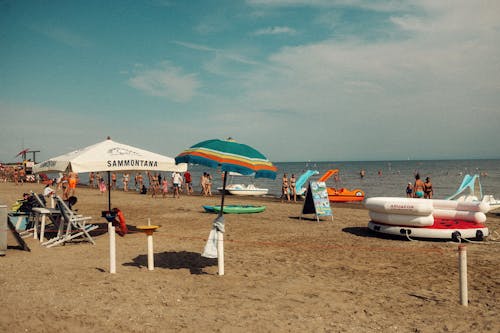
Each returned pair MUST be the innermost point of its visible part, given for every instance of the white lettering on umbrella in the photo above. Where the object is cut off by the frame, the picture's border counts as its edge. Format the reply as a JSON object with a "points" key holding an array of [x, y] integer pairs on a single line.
{"points": [[131, 163]]}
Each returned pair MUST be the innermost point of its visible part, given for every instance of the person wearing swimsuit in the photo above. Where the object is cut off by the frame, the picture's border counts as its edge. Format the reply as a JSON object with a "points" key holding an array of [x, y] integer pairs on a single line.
{"points": [[418, 187], [293, 189], [409, 190], [428, 188], [284, 188]]}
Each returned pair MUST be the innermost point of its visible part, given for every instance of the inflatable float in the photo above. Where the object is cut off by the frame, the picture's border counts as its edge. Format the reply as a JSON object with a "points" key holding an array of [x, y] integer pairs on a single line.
{"points": [[427, 218], [236, 209], [341, 194]]}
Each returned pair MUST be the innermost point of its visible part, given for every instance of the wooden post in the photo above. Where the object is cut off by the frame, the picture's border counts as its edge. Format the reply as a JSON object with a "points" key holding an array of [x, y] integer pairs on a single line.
{"points": [[462, 267]]}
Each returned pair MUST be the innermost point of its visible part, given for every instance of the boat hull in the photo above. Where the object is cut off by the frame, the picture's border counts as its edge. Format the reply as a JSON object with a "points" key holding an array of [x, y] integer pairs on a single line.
{"points": [[236, 209], [441, 229], [345, 195], [248, 192]]}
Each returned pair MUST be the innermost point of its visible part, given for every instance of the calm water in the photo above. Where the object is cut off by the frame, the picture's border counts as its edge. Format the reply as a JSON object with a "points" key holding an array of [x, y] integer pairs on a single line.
{"points": [[446, 176]]}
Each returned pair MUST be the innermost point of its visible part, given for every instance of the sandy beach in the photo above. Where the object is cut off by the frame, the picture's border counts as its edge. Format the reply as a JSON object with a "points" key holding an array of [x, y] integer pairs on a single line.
{"points": [[282, 274]]}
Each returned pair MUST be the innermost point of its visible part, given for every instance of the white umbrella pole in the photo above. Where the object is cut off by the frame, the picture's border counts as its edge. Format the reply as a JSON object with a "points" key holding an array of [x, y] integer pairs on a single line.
{"points": [[109, 191], [112, 248], [151, 260], [220, 234], [220, 252]]}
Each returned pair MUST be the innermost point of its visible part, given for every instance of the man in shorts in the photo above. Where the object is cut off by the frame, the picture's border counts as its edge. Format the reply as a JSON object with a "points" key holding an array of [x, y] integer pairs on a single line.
{"points": [[188, 181]]}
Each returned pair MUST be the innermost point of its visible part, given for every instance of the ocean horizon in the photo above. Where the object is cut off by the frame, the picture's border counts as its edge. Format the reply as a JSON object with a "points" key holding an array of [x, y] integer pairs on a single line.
{"points": [[382, 178]]}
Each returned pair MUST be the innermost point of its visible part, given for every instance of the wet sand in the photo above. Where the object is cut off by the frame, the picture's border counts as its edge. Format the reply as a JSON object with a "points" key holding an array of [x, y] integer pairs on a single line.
{"points": [[282, 274]]}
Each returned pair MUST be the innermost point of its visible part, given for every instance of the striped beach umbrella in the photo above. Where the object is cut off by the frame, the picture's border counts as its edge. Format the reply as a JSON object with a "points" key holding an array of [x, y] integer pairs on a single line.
{"points": [[229, 156]]}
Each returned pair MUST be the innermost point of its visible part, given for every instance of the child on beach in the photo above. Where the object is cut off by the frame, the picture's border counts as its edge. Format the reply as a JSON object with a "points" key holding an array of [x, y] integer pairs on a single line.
{"points": [[164, 187], [409, 190], [102, 186]]}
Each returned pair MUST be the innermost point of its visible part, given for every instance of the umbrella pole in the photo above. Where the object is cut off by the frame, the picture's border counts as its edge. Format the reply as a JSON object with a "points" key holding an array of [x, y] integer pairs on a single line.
{"points": [[111, 232], [223, 193], [109, 191], [220, 234]]}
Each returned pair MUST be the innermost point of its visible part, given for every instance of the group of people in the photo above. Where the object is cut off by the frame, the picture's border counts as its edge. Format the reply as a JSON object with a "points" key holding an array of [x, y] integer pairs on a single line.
{"points": [[420, 189], [206, 184], [158, 184], [66, 182], [288, 188], [16, 174]]}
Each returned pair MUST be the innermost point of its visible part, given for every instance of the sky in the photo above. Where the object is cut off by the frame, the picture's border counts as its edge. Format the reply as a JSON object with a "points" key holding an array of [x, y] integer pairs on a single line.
{"points": [[299, 80]]}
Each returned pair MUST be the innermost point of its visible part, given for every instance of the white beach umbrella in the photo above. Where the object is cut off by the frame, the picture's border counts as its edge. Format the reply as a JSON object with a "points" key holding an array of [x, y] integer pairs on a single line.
{"points": [[108, 156]]}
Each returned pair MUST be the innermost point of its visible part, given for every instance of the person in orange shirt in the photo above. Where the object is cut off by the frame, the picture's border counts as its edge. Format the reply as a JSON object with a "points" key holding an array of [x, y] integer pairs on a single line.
{"points": [[72, 182]]}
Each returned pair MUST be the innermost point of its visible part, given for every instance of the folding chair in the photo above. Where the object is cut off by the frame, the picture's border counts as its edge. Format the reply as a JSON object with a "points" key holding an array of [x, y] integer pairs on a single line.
{"points": [[75, 226], [41, 212]]}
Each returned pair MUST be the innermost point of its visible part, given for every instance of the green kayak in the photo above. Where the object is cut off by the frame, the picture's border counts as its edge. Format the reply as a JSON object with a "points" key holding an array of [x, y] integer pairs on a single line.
{"points": [[236, 209]]}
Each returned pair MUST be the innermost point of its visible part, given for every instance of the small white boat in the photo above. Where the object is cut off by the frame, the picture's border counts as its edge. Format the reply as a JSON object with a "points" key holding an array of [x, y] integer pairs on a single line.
{"points": [[240, 189]]}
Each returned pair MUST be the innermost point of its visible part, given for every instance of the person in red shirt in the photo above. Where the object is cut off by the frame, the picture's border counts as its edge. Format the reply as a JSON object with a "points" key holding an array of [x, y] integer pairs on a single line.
{"points": [[188, 181]]}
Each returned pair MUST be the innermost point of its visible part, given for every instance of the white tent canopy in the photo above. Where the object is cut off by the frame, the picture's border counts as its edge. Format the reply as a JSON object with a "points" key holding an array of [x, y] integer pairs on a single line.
{"points": [[109, 155]]}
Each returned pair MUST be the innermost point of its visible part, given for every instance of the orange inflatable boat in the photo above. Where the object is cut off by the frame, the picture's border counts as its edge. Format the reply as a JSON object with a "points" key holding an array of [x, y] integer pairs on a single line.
{"points": [[341, 194]]}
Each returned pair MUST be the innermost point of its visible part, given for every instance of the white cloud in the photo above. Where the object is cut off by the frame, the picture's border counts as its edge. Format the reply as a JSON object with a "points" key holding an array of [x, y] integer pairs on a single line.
{"points": [[64, 36], [444, 79], [275, 31], [377, 5], [166, 81]]}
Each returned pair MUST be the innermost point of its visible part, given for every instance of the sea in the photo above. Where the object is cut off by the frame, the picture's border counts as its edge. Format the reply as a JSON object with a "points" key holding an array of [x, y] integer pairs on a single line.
{"points": [[382, 178]]}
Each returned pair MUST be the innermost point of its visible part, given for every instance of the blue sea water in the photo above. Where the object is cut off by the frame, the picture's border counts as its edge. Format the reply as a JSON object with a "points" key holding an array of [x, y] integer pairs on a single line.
{"points": [[446, 175]]}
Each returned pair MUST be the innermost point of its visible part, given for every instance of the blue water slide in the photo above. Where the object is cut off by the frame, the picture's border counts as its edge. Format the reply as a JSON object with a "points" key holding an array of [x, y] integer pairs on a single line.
{"points": [[302, 180], [470, 186]]}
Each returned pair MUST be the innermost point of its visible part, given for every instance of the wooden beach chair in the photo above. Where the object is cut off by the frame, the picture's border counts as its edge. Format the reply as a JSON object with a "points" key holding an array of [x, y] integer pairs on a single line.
{"points": [[76, 226]]}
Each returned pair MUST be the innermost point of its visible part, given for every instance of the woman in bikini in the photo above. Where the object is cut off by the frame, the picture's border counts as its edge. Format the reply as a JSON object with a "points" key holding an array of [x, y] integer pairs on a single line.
{"points": [[293, 189], [428, 188], [284, 188]]}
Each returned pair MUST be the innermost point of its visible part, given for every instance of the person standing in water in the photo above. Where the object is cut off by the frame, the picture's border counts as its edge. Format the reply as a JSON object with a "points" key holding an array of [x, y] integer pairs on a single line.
{"points": [[428, 188], [418, 187]]}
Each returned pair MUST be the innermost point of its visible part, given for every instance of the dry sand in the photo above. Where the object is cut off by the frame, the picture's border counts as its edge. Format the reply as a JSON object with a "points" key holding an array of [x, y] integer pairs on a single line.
{"points": [[282, 274]]}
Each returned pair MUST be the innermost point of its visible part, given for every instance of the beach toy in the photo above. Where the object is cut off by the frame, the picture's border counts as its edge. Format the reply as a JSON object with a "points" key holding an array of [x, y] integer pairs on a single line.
{"points": [[148, 230]]}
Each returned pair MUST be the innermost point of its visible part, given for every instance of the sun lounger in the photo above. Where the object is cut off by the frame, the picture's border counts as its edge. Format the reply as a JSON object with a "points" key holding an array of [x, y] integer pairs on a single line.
{"points": [[76, 226]]}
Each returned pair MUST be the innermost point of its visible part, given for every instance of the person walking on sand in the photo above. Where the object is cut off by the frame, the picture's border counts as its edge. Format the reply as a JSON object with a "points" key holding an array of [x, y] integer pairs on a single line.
{"points": [[91, 179], [208, 183], [189, 182], [125, 180], [285, 188], [72, 182], [140, 180], [418, 187], [102, 185], [293, 189], [113, 180], [164, 187], [177, 181], [428, 188]]}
